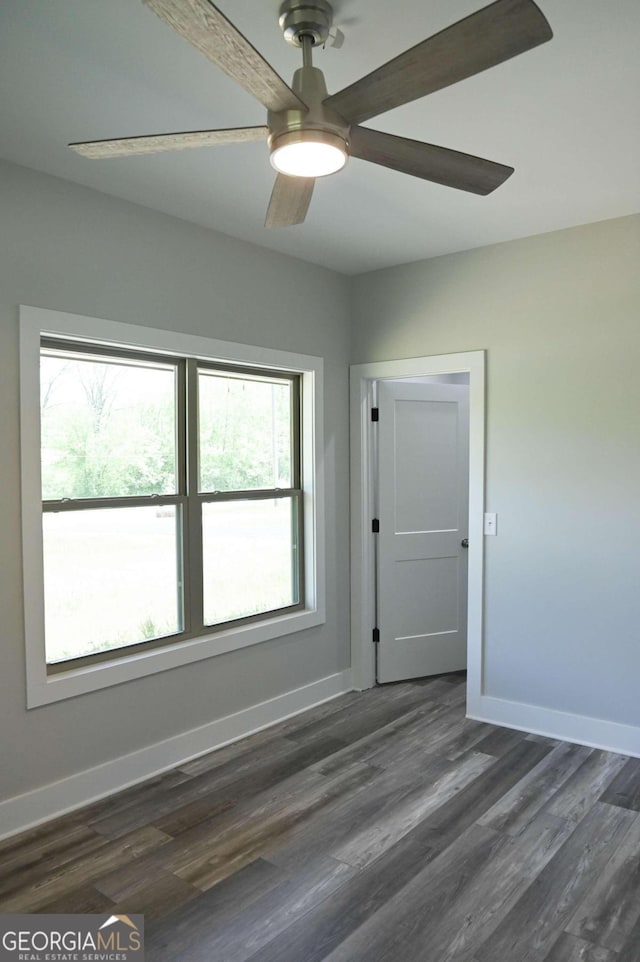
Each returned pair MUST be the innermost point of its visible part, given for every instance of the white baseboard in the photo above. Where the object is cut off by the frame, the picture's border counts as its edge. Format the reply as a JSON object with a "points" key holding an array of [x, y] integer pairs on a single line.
{"points": [[594, 732], [50, 801]]}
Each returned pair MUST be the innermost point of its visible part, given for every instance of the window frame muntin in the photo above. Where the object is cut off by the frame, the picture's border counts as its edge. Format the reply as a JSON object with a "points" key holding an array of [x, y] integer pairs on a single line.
{"points": [[188, 499]]}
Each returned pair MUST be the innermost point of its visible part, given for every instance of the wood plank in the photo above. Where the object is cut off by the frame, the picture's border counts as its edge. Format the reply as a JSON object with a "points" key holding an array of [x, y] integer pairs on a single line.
{"points": [[422, 739], [326, 926], [625, 788], [454, 927], [381, 798], [468, 739], [533, 737], [122, 884], [631, 949], [570, 949], [400, 929], [534, 924], [198, 843], [255, 772], [436, 740], [231, 781], [194, 922], [118, 821], [515, 809], [257, 837], [580, 792], [245, 747], [16, 878], [261, 739], [499, 741], [369, 842], [611, 908], [83, 900], [392, 739], [191, 814], [56, 848], [156, 897], [360, 719], [467, 806], [277, 910], [265, 918], [334, 828], [474, 916], [57, 881], [318, 713], [135, 795], [485, 893]]}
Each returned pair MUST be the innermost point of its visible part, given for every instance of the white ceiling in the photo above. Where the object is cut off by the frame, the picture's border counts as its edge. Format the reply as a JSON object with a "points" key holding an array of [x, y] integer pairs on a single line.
{"points": [[565, 115]]}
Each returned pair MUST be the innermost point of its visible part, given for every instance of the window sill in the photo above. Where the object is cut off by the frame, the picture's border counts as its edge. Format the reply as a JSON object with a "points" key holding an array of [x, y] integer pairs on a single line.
{"points": [[79, 681]]}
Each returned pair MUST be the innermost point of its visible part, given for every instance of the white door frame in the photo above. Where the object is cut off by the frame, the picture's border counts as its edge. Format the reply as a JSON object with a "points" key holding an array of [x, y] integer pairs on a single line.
{"points": [[363, 377]]}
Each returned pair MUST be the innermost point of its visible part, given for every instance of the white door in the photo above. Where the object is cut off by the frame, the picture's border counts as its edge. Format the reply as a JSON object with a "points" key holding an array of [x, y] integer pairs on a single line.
{"points": [[423, 505]]}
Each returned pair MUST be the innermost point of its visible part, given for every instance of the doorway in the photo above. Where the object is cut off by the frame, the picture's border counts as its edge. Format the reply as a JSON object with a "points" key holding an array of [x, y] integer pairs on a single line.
{"points": [[396, 378]]}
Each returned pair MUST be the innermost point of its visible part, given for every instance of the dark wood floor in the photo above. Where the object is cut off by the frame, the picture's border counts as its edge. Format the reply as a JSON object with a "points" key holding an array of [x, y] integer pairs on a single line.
{"points": [[380, 826]]}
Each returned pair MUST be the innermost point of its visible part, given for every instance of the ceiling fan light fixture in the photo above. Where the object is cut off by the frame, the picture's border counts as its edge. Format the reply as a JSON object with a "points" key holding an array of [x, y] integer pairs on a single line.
{"points": [[308, 153]]}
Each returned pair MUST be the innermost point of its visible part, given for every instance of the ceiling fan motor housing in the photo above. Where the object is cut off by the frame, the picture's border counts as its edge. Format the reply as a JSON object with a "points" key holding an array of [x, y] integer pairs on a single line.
{"points": [[306, 18]]}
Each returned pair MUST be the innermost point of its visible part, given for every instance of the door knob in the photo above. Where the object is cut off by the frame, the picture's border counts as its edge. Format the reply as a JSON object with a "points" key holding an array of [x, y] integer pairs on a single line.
{"points": [[465, 542]]}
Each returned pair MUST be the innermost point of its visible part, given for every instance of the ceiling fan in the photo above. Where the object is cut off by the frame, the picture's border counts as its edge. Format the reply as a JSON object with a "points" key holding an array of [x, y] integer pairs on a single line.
{"points": [[311, 133]]}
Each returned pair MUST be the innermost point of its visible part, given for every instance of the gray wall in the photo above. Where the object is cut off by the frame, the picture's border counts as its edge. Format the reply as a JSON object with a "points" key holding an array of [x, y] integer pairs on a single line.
{"points": [[67, 248], [559, 316]]}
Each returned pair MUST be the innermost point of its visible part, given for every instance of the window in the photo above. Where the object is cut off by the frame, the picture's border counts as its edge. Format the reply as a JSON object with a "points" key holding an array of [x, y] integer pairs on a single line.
{"points": [[178, 500]]}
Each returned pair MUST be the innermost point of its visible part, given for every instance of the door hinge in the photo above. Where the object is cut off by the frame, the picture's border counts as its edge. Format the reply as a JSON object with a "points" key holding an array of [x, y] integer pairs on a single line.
{"points": [[375, 414], [375, 526], [376, 636]]}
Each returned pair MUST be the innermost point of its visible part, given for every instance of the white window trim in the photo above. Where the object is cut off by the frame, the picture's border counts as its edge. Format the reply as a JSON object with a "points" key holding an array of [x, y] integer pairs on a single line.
{"points": [[42, 688]]}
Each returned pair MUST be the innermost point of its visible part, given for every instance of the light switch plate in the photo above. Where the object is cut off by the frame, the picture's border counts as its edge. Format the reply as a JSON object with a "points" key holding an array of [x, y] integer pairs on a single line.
{"points": [[490, 523]]}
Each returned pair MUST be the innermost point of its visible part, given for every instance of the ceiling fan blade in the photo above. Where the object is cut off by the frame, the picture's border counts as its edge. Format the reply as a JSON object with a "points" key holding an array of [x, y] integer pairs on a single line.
{"points": [[488, 37], [438, 164], [156, 143], [209, 31], [290, 201]]}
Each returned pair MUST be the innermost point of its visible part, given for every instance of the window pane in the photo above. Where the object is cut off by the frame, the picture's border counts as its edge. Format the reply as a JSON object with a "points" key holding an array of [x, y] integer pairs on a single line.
{"points": [[250, 558], [111, 579], [244, 433], [108, 428]]}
